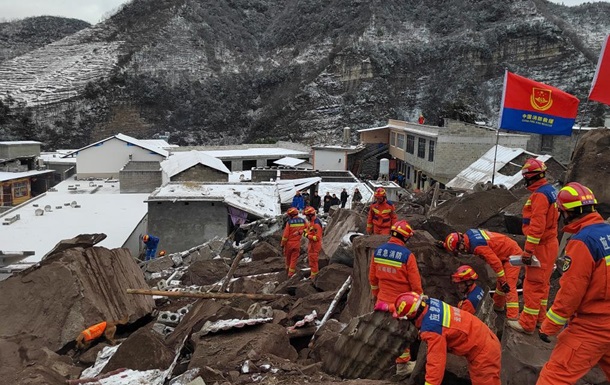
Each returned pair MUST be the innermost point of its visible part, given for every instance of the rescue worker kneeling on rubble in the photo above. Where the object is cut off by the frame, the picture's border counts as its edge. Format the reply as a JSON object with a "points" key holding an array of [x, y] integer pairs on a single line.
{"points": [[448, 329], [584, 295], [291, 239], [495, 249], [393, 271], [381, 214], [313, 232], [464, 279]]}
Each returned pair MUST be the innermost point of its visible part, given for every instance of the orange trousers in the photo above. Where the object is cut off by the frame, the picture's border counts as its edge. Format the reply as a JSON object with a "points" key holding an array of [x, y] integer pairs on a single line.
{"points": [[484, 367], [577, 351], [510, 299], [291, 253], [537, 284], [313, 253], [381, 230]]}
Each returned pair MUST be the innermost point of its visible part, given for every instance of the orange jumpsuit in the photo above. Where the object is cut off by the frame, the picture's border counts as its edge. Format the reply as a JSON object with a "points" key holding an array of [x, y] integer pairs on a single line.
{"points": [[381, 218], [540, 217], [496, 249], [314, 235], [471, 299], [94, 332], [584, 300], [448, 329], [394, 271], [291, 242]]}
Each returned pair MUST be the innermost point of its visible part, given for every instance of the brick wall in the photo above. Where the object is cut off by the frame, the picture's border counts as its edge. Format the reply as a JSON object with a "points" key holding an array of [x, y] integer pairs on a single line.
{"points": [[201, 173]]}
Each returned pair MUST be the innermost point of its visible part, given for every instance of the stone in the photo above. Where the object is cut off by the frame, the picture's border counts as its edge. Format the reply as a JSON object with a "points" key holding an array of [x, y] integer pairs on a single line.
{"points": [[320, 302], [264, 250], [332, 277], [205, 272], [203, 254], [341, 222], [325, 338], [159, 264]]}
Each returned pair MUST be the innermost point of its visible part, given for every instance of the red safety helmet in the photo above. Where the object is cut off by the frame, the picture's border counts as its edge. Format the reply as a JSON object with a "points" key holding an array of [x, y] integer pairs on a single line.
{"points": [[380, 193], [453, 242], [145, 238], [293, 212], [574, 195], [407, 304], [309, 211], [401, 230], [464, 273], [533, 167]]}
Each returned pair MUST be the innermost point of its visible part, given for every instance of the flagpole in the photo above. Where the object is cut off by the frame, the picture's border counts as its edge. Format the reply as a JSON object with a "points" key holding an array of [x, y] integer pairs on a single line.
{"points": [[493, 173]]}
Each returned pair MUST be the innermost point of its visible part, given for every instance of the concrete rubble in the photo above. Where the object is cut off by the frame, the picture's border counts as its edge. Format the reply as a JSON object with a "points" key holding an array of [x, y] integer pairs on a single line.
{"points": [[321, 331]]}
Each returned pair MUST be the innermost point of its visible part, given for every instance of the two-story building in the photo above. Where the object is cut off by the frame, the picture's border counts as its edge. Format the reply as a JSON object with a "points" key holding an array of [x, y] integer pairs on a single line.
{"points": [[425, 154]]}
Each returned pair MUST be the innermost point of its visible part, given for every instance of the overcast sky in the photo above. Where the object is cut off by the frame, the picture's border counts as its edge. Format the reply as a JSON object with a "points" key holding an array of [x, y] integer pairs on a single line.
{"points": [[94, 10]]}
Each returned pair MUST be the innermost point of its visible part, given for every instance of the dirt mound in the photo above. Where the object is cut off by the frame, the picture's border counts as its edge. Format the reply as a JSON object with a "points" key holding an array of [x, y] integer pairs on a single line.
{"points": [[591, 166]]}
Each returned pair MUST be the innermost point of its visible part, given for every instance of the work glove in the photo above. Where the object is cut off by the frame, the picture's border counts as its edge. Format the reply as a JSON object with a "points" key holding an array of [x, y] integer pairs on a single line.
{"points": [[440, 244], [544, 338], [526, 258], [504, 287]]}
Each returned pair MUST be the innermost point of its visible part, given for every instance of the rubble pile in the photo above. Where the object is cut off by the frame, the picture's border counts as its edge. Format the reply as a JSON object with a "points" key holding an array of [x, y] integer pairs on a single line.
{"points": [[231, 315]]}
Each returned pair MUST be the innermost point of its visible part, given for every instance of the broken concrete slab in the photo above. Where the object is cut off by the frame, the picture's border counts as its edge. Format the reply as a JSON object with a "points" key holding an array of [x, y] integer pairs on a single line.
{"points": [[341, 222], [71, 291], [319, 302], [264, 250], [205, 272], [331, 277], [325, 339], [269, 265]]}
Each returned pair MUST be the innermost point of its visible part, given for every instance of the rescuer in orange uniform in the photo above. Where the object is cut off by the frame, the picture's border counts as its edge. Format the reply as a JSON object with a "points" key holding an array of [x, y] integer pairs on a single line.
{"points": [[314, 231], [381, 214], [540, 227], [448, 329], [393, 271], [495, 249], [584, 296], [464, 278], [291, 239]]}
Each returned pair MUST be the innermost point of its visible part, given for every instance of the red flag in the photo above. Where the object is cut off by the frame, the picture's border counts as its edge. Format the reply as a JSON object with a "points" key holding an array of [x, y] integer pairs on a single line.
{"points": [[530, 106], [600, 89]]}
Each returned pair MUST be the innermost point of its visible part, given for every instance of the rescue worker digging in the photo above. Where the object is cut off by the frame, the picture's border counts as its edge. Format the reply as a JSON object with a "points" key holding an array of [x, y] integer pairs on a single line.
{"points": [[540, 217], [448, 329], [495, 249], [472, 294], [584, 295], [393, 270], [381, 214], [291, 239], [313, 232]]}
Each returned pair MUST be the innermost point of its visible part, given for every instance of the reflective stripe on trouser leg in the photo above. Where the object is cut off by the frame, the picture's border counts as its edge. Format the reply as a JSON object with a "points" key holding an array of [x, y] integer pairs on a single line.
{"points": [[404, 357], [512, 297]]}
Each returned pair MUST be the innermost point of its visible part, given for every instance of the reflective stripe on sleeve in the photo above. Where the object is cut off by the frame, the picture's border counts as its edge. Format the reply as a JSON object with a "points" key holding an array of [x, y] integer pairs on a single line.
{"points": [[555, 318], [533, 240]]}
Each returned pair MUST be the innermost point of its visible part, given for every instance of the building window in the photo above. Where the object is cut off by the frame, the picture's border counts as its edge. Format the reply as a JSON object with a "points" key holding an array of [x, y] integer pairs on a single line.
{"points": [[400, 141], [546, 143], [421, 148], [20, 189], [431, 151], [392, 139], [410, 144]]}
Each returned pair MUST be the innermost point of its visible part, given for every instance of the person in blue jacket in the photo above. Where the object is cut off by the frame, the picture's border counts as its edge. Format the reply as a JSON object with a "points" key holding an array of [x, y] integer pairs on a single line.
{"points": [[298, 202], [151, 243]]}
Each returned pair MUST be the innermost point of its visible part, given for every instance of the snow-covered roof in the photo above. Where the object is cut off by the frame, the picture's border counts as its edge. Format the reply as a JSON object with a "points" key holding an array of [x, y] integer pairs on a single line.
{"points": [[290, 161], [181, 161], [20, 142], [349, 148], [56, 157], [126, 139], [102, 210], [481, 170], [380, 128], [256, 152], [260, 199], [4, 176], [161, 143]]}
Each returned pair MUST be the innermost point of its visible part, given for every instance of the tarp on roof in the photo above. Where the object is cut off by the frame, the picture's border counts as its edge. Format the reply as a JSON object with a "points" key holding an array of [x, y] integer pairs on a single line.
{"points": [[290, 161], [482, 169], [182, 161], [289, 187]]}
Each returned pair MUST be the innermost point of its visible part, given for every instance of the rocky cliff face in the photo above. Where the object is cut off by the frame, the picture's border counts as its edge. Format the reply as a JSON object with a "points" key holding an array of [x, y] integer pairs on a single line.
{"points": [[258, 70]]}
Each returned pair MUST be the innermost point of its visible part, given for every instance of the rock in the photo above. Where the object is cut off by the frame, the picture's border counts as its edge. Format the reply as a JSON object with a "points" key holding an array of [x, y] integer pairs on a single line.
{"points": [[159, 264], [256, 310], [142, 350], [88, 357], [205, 272], [264, 250], [343, 255], [269, 265], [304, 288], [280, 317], [319, 302], [325, 339], [226, 351], [332, 277], [71, 291], [203, 254], [341, 222], [246, 285]]}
